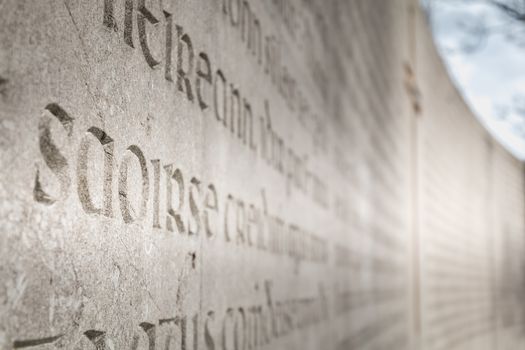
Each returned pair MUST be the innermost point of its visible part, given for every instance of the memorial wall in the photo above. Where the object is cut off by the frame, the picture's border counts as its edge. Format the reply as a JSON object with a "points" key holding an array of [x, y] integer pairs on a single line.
{"points": [[248, 174], [471, 222]]}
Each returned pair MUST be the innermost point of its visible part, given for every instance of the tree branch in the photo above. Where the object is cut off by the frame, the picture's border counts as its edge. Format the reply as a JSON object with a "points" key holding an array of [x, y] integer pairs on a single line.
{"points": [[513, 12]]}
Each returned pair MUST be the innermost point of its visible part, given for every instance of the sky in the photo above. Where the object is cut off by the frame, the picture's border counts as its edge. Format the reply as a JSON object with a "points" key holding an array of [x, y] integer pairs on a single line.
{"points": [[481, 49]]}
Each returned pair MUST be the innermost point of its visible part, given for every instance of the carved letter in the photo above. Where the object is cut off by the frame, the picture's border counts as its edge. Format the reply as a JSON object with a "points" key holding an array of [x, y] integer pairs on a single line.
{"points": [[211, 205], [246, 20], [20, 344], [110, 22], [195, 213], [229, 316], [172, 213], [169, 44], [98, 338], [128, 23], [248, 126], [241, 221], [238, 333], [220, 76], [234, 14], [56, 162], [252, 224], [182, 76], [229, 201], [203, 63], [208, 338], [143, 15], [109, 16], [168, 324], [125, 206], [235, 109], [82, 170], [149, 329], [156, 193], [255, 40]]}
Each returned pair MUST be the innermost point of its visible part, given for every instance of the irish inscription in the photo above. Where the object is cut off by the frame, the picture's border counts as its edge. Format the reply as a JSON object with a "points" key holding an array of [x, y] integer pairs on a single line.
{"points": [[234, 175]]}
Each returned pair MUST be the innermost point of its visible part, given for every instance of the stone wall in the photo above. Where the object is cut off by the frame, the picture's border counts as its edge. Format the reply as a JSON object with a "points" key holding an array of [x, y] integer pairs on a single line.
{"points": [[241, 174], [472, 223]]}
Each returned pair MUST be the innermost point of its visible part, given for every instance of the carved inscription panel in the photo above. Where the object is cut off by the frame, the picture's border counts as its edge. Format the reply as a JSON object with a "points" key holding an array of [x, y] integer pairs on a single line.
{"points": [[200, 175], [209, 174]]}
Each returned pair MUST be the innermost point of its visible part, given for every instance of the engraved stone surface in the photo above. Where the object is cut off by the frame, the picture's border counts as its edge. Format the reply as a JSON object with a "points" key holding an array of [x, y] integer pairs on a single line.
{"points": [[242, 174]]}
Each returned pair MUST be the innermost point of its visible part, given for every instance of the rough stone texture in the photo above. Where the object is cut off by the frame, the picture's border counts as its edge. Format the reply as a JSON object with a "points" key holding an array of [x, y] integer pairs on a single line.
{"points": [[316, 182]]}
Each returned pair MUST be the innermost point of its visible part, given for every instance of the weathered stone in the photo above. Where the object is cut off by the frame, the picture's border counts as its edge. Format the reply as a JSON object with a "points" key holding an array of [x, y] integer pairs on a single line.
{"points": [[239, 174]]}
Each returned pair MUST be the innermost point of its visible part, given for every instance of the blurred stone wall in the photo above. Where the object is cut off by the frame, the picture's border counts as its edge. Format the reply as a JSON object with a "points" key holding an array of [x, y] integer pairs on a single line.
{"points": [[472, 221]]}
